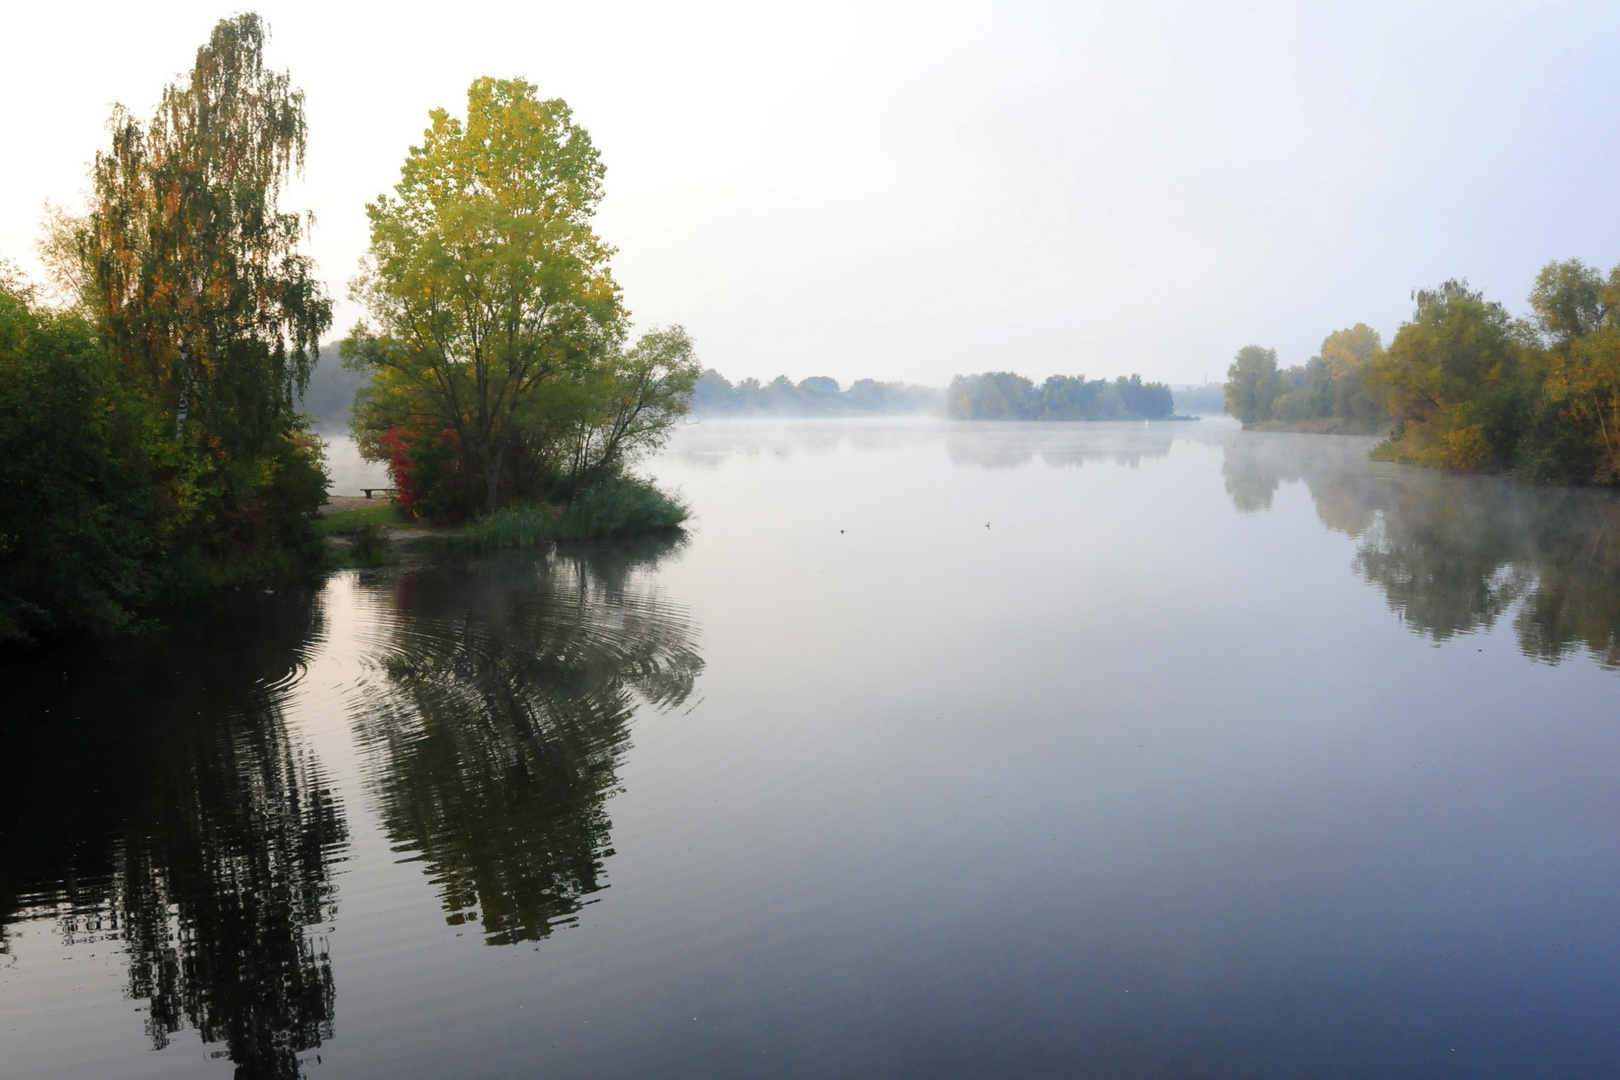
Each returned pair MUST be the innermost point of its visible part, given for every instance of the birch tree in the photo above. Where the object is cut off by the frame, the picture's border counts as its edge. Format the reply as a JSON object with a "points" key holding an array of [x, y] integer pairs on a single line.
{"points": [[187, 257]]}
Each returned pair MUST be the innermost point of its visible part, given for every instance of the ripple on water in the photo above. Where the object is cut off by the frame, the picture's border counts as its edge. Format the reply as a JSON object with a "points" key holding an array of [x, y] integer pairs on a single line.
{"points": [[492, 714]]}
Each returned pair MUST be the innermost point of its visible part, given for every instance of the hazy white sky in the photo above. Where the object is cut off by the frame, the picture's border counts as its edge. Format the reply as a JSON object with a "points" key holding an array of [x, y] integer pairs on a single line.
{"points": [[910, 190]]}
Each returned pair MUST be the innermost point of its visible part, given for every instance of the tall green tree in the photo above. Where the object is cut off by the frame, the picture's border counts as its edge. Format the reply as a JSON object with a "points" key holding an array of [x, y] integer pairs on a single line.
{"points": [[1576, 428], [1571, 300], [485, 278], [1252, 384], [187, 256], [195, 275], [1346, 352], [1451, 376]]}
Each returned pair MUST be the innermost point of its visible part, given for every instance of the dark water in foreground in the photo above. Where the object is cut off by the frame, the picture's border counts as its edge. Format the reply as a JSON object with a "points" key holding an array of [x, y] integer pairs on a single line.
{"points": [[1069, 750]]}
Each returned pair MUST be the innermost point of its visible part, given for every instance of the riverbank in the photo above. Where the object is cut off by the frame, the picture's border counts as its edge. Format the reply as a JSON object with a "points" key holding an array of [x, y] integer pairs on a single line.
{"points": [[1327, 425], [363, 531], [343, 519]]}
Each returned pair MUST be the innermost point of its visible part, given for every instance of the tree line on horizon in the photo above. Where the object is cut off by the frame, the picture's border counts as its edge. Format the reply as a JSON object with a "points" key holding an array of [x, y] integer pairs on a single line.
{"points": [[1464, 385], [1004, 395], [152, 445], [332, 390], [715, 395]]}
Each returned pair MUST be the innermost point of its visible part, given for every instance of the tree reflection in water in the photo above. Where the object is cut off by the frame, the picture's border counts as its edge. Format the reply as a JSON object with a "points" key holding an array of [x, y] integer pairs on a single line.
{"points": [[999, 444], [1453, 554], [497, 716], [151, 794]]}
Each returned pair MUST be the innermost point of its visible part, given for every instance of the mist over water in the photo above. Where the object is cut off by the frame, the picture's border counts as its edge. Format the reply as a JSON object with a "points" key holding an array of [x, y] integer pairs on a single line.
{"points": [[932, 749], [348, 471]]}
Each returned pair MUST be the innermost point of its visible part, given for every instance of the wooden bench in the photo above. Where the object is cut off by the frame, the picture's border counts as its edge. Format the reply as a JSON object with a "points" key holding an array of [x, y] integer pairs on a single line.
{"points": [[385, 491]]}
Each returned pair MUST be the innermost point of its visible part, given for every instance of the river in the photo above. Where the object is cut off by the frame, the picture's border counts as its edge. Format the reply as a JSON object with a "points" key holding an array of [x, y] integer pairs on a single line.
{"points": [[972, 750]]}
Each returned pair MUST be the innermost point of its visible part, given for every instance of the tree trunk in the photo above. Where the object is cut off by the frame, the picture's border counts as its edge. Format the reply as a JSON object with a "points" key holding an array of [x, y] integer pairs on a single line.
{"points": [[492, 477], [184, 380]]}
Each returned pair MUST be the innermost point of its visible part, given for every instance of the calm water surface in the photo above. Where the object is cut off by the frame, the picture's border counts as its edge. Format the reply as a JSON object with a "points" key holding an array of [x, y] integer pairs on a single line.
{"points": [[1059, 750]]}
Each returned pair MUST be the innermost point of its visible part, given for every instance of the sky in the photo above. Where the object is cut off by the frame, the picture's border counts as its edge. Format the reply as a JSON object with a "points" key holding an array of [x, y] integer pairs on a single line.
{"points": [[909, 191]]}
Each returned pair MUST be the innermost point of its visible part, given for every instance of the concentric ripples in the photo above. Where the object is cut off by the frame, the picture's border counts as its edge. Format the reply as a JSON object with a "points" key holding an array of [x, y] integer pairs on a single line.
{"points": [[195, 835], [493, 714]]}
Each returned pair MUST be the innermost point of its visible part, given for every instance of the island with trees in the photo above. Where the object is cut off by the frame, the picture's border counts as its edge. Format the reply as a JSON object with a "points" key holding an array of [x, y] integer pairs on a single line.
{"points": [[1002, 395], [499, 365], [715, 395]]}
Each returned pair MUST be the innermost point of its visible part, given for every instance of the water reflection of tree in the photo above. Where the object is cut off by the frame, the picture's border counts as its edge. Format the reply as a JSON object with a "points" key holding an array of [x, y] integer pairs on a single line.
{"points": [[1453, 554], [1002, 445], [499, 718], [713, 442], [154, 796]]}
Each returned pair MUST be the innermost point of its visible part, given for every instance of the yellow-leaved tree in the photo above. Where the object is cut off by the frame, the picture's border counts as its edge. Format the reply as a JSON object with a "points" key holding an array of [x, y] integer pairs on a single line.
{"points": [[490, 290]]}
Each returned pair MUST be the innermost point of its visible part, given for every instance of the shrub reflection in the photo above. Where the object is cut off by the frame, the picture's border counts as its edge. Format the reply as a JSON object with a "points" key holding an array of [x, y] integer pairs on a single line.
{"points": [[498, 714], [1000, 445]]}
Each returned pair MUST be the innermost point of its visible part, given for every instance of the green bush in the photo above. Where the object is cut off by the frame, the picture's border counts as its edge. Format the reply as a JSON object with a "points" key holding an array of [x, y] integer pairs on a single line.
{"points": [[223, 522], [620, 506], [371, 546], [518, 525], [75, 502]]}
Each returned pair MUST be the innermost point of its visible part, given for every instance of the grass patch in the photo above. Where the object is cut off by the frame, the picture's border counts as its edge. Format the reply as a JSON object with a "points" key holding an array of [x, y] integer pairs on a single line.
{"points": [[350, 522], [366, 530], [623, 506], [519, 525]]}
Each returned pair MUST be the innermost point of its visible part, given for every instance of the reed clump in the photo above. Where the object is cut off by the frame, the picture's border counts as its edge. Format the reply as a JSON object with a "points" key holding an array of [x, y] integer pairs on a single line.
{"points": [[619, 506]]}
